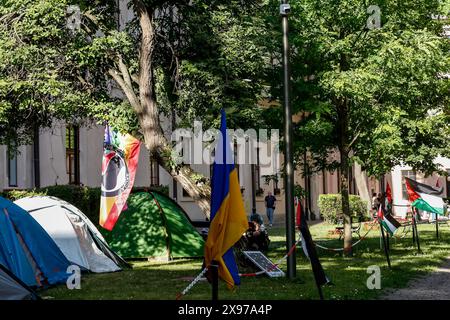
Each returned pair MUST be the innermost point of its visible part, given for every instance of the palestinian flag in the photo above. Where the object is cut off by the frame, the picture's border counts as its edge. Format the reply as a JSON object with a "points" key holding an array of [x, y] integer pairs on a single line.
{"points": [[425, 197], [310, 250], [388, 222]]}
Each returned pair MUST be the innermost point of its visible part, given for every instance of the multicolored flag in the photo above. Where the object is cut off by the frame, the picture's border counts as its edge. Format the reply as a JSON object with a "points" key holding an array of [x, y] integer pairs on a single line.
{"points": [[388, 222], [119, 165], [228, 217], [309, 249], [425, 197]]}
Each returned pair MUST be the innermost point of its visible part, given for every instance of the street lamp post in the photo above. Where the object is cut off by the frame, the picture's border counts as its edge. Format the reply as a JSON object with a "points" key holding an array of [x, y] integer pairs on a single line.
{"points": [[253, 189], [288, 160]]}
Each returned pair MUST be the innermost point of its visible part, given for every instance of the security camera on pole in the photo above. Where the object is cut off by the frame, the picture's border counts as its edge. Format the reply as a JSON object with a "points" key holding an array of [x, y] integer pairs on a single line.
{"points": [[285, 9]]}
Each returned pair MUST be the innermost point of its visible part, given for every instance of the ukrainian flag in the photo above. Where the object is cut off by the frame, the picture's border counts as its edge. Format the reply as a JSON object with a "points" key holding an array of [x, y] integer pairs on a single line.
{"points": [[228, 217]]}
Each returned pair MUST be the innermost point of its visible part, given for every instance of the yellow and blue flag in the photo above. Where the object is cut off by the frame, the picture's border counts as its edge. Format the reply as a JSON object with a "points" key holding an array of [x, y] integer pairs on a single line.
{"points": [[228, 217]]}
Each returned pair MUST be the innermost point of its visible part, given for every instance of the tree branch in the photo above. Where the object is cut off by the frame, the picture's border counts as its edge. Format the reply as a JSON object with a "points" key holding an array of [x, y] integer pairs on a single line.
{"points": [[124, 70], [354, 139], [128, 91]]}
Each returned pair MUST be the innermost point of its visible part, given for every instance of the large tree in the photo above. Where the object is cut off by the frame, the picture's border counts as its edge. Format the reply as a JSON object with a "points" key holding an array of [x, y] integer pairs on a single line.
{"points": [[371, 95], [187, 57]]}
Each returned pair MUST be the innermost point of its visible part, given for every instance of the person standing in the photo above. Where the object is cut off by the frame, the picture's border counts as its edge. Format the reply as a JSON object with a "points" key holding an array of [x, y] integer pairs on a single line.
{"points": [[270, 207]]}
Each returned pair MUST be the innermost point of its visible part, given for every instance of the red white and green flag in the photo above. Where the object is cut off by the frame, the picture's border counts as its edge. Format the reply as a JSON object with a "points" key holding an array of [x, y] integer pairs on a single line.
{"points": [[388, 222], [425, 197]]}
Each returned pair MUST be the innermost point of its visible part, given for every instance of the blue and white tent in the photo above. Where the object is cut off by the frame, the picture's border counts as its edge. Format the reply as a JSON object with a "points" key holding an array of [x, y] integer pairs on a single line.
{"points": [[27, 250]]}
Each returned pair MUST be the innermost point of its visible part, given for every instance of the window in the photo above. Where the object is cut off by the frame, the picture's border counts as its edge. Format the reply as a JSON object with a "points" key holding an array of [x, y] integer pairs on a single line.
{"points": [[154, 173], [338, 173], [72, 150], [12, 169], [409, 174], [236, 164], [351, 186]]}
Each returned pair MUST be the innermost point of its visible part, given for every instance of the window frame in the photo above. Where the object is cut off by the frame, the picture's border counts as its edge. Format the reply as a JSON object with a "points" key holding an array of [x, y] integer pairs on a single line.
{"points": [[10, 159]]}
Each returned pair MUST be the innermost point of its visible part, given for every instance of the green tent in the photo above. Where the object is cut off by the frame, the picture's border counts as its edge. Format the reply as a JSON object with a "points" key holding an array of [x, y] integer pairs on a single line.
{"points": [[154, 226]]}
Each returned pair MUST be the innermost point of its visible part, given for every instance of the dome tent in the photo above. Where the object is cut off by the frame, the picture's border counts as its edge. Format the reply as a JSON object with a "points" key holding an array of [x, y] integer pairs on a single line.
{"points": [[74, 233], [12, 288], [154, 226], [27, 250]]}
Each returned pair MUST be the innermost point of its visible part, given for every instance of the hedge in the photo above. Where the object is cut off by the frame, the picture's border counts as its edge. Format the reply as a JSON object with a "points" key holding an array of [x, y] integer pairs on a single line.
{"points": [[330, 206], [86, 199]]}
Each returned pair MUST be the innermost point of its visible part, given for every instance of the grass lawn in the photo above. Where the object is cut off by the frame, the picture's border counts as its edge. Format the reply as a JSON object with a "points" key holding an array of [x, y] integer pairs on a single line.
{"points": [[150, 280]]}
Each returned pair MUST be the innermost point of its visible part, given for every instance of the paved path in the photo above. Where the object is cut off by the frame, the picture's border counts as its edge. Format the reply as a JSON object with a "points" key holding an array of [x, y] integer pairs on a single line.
{"points": [[435, 286]]}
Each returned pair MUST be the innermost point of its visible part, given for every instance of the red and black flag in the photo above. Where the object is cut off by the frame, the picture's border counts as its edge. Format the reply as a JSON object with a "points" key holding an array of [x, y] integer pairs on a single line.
{"points": [[310, 250]]}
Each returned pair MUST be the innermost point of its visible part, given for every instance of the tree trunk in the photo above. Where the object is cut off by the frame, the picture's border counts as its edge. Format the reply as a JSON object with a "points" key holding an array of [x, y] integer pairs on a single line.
{"points": [[346, 202], [148, 115], [344, 149]]}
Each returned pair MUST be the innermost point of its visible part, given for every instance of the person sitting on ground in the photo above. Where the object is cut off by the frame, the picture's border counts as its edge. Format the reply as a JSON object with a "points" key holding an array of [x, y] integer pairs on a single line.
{"points": [[257, 237]]}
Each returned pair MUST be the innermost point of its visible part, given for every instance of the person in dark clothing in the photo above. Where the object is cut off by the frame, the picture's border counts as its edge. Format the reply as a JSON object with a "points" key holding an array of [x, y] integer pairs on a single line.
{"points": [[270, 207], [256, 235]]}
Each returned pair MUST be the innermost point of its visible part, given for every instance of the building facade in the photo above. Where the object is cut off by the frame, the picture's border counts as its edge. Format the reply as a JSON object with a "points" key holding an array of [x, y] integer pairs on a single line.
{"points": [[70, 155]]}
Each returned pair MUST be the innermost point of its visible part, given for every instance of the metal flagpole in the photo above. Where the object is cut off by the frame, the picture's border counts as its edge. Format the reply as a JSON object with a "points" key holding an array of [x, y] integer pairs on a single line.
{"points": [[288, 159], [253, 189]]}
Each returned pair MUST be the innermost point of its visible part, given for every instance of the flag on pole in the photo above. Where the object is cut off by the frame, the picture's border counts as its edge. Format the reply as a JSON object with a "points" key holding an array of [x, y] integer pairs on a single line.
{"points": [[388, 222], [228, 217], [119, 165], [425, 197], [310, 249]]}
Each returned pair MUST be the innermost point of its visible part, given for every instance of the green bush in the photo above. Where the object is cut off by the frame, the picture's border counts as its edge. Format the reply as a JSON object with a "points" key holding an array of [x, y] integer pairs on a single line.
{"points": [[330, 206]]}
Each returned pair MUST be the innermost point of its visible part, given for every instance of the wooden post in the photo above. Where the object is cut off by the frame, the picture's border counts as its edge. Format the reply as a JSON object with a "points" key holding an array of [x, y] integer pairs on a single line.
{"points": [[215, 280]]}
